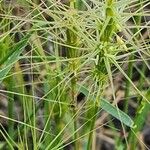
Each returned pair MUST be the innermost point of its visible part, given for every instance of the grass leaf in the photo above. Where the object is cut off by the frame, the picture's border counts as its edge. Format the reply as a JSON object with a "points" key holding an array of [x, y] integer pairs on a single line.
{"points": [[114, 111], [12, 57]]}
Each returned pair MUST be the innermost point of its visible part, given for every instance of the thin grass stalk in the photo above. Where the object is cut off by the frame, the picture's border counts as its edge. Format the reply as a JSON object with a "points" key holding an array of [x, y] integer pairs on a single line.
{"points": [[46, 116], [10, 107], [137, 21], [96, 108], [73, 88], [34, 134], [74, 98], [19, 77], [48, 106]]}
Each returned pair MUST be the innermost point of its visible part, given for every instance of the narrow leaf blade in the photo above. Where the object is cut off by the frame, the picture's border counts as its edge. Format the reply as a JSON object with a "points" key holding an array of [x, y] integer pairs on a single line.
{"points": [[112, 110], [11, 58]]}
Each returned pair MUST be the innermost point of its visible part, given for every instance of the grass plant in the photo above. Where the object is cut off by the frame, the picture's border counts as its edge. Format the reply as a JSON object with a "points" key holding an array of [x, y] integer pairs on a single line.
{"points": [[58, 58]]}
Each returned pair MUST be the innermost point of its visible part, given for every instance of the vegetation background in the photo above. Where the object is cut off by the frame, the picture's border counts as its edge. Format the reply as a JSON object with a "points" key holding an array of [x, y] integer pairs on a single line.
{"points": [[74, 74]]}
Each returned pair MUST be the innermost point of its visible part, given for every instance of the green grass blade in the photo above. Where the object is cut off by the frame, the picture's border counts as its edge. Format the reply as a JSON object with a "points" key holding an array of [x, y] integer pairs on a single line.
{"points": [[109, 108], [12, 57]]}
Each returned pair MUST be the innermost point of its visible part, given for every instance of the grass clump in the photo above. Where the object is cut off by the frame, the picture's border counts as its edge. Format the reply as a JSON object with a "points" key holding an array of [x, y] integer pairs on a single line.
{"points": [[58, 61]]}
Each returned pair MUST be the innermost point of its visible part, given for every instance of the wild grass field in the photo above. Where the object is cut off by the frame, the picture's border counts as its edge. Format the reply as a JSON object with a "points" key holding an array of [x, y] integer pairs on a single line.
{"points": [[74, 74]]}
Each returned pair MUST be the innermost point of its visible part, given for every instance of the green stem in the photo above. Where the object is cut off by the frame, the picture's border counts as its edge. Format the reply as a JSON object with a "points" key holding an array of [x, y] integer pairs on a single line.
{"points": [[10, 108], [74, 102], [73, 65], [47, 111], [73, 53], [89, 145], [34, 133]]}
